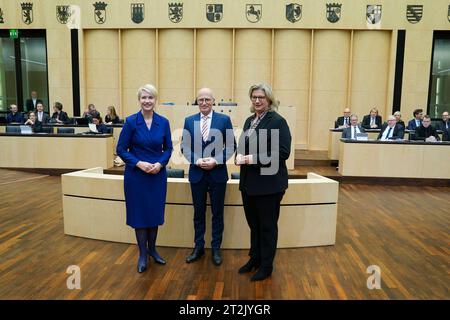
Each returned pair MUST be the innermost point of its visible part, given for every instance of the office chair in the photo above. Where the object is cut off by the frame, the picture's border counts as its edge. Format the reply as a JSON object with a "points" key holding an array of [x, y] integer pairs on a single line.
{"points": [[175, 173], [65, 130], [13, 129]]}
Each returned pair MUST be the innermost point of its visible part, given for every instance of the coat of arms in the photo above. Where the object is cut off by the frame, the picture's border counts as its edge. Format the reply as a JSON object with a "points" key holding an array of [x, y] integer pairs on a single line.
{"points": [[27, 12], [334, 12], [293, 12], [373, 14], [214, 12], [100, 12], [137, 12], [1, 16], [63, 14], [414, 13], [253, 12], [175, 12]]}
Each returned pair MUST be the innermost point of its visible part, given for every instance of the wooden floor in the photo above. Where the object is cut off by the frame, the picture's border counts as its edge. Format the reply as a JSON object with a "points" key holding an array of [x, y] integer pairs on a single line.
{"points": [[403, 230]]}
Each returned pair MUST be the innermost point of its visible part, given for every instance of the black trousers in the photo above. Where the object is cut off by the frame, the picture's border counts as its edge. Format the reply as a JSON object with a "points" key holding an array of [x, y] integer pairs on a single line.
{"points": [[262, 214]]}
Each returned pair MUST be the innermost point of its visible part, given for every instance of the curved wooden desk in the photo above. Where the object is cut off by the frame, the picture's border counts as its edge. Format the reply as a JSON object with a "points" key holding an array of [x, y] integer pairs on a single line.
{"points": [[94, 207]]}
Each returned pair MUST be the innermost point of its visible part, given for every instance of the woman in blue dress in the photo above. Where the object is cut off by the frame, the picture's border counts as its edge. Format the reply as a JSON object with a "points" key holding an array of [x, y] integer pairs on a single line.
{"points": [[145, 145]]}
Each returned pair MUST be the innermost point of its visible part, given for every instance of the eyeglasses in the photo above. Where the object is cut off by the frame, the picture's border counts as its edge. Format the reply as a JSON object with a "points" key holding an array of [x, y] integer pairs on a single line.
{"points": [[260, 98], [204, 100]]}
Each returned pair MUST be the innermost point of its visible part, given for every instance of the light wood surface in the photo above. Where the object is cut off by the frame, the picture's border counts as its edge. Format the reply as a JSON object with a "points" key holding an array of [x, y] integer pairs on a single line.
{"points": [[334, 138], [94, 207], [402, 160], [55, 152]]}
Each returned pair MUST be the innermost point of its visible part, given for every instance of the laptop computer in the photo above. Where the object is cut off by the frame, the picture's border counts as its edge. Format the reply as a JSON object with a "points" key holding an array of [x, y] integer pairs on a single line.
{"points": [[25, 129]]}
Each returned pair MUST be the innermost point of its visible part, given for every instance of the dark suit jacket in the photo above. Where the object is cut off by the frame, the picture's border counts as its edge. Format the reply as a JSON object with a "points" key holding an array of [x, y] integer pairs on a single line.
{"points": [[441, 125], [446, 135], [254, 180], [399, 131], [220, 148], [412, 124], [422, 133], [61, 116], [340, 121], [30, 106], [17, 117], [45, 118], [347, 132], [366, 122]]}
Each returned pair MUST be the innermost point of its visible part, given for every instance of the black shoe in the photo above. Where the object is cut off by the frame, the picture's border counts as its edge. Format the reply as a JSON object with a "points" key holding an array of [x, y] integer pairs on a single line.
{"points": [[216, 257], [156, 257], [248, 267], [262, 274], [142, 265], [196, 254]]}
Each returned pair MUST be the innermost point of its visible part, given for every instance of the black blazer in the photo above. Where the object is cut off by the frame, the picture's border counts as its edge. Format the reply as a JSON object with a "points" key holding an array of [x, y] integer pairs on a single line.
{"points": [[366, 122], [61, 116], [347, 132], [446, 135], [399, 131], [340, 122], [254, 178], [422, 133], [116, 120], [30, 106], [441, 125], [45, 118]]}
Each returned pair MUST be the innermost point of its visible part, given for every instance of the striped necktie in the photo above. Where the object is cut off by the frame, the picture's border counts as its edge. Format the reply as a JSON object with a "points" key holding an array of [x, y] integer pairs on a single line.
{"points": [[205, 130]]}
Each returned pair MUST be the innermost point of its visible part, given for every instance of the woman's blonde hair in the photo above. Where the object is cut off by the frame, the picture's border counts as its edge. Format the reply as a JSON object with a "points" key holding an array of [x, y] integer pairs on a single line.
{"points": [[149, 88], [112, 111], [273, 103]]}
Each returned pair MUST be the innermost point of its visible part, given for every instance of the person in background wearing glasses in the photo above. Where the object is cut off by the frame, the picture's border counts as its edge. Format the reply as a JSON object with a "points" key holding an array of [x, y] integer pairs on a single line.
{"points": [[261, 189], [350, 132], [391, 130], [426, 131], [207, 143], [445, 123]]}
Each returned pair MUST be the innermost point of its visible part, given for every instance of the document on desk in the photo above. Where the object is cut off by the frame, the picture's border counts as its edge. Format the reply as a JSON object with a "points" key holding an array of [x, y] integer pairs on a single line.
{"points": [[93, 127]]}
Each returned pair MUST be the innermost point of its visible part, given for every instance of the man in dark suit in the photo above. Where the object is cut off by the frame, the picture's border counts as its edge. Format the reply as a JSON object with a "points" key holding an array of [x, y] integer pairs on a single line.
{"points": [[417, 121], [207, 143], [344, 121], [31, 104], [350, 132], [391, 130], [14, 116], [445, 123], [372, 120], [426, 131], [41, 116]]}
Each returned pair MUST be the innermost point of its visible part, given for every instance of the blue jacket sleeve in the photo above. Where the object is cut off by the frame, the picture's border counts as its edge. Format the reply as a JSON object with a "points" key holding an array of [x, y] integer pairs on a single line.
{"points": [[124, 144], [167, 146]]}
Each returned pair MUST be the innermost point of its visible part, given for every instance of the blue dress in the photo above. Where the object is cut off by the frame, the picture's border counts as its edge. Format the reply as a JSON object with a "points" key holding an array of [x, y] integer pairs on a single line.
{"points": [[145, 194]]}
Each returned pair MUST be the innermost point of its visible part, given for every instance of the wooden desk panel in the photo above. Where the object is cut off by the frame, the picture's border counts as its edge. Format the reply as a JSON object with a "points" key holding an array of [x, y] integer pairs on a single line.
{"points": [[333, 142]]}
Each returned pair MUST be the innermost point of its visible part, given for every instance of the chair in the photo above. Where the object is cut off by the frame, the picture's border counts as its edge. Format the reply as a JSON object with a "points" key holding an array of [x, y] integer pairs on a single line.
{"points": [[13, 129], [110, 130], [65, 130], [175, 173], [235, 175]]}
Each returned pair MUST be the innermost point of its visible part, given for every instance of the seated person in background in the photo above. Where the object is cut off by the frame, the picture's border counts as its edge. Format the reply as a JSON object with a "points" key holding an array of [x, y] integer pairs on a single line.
{"points": [[445, 123], [36, 126], [14, 116], [60, 116], [398, 118], [101, 128], [372, 120], [344, 121], [417, 121], [111, 116], [91, 112], [351, 131], [391, 130], [41, 116], [426, 131]]}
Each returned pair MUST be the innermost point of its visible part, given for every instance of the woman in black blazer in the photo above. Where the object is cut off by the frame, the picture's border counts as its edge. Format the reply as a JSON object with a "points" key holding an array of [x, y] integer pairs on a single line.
{"points": [[58, 115], [263, 177]]}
